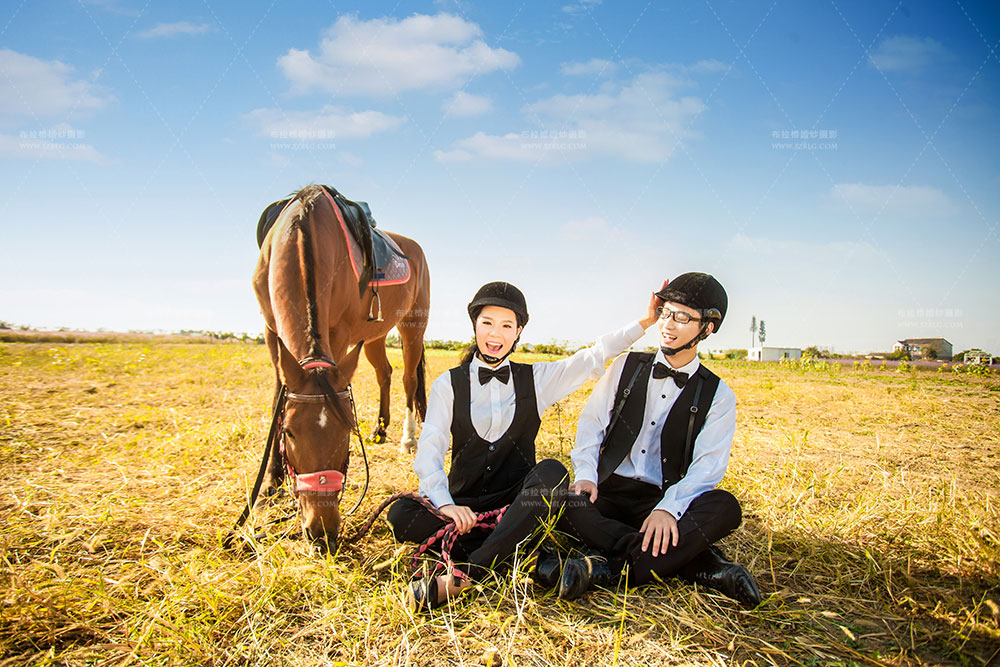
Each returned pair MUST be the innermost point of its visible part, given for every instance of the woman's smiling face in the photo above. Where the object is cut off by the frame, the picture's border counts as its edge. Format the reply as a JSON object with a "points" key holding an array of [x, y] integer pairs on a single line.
{"points": [[496, 331]]}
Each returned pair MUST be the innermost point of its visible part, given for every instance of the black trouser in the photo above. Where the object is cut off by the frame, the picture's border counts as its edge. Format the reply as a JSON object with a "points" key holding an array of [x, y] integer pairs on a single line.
{"points": [[541, 495], [612, 524]]}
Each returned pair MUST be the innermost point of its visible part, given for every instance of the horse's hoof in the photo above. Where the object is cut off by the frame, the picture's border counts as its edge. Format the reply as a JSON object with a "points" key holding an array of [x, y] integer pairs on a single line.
{"points": [[407, 446], [378, 437]]}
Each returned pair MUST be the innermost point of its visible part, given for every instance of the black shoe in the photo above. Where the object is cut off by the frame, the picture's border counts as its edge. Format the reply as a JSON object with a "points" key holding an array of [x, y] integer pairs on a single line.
{"points": [[579, 575], [423, 594], [546, 572], [711, 569]]}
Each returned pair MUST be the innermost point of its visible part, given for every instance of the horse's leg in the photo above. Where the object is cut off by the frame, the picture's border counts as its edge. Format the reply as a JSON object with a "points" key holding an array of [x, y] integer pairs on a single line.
{"points": [[375, 352], [411, 334]]}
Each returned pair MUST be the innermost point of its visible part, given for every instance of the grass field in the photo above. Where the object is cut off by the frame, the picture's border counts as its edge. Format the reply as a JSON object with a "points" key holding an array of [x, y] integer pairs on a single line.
{"points": [[870, 504]]}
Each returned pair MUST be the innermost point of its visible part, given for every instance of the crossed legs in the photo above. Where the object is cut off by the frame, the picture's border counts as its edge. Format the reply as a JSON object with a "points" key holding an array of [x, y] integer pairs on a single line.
{"points": [[611, 526], [541, 495]]}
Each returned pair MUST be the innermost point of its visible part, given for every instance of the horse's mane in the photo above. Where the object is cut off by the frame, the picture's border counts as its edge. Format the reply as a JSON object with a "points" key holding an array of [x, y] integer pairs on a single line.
{"points": [[306, 198]]}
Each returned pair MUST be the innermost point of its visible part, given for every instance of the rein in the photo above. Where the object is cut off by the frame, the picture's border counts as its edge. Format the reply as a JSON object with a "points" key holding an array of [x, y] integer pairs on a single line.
{"points": [[322, 481], [445, 536]]}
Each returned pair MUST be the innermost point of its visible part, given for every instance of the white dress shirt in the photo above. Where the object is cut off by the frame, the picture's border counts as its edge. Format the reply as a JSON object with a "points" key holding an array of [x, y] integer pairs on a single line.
{"points": [[711, 446], [493, 403]]}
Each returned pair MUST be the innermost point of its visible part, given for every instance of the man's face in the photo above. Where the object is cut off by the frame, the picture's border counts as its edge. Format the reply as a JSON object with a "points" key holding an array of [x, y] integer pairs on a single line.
{"points": [[496, 330], [674, 334]]}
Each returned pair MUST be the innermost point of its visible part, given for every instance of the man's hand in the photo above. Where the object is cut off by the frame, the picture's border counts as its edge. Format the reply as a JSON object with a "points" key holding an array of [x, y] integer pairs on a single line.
{"points": [[659, 530], [463, 517], [655, 303], [584, 487]]}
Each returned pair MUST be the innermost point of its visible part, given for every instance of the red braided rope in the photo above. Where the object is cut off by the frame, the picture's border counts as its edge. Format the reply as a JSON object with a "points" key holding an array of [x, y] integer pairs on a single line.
{"points": [[445, 536]]}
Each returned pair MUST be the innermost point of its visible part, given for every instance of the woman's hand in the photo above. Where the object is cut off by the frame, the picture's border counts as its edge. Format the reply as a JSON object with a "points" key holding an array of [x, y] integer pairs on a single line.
{"points": [[584, 488], [464, 517], [655, 303]]}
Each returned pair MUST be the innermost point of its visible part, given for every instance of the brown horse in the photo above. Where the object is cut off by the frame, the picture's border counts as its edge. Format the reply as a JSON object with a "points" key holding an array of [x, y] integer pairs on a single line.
{"points": [[309, 297]]}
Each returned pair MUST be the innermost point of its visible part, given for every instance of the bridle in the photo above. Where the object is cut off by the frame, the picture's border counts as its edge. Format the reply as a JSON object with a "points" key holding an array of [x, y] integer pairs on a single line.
{"points": [[320, 481]]}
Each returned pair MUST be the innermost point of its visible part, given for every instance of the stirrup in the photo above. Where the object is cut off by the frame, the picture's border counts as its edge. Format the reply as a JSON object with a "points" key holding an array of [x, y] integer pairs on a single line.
{"points": [[372, 315]]}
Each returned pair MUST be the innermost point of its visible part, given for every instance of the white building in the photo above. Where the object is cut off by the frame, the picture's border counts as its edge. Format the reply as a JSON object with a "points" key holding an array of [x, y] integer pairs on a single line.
{"points": [[773, 353]]}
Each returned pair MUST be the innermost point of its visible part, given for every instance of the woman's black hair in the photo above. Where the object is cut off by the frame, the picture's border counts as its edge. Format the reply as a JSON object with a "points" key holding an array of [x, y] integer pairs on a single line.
{"points": [[468, 353]]}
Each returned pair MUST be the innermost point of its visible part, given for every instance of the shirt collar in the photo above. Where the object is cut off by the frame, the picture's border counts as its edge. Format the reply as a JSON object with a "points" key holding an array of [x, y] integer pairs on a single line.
{"points": [[688, 368]]}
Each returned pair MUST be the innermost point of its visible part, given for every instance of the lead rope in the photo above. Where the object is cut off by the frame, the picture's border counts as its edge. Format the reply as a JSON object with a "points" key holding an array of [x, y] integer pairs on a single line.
{"points": [[445, 536], [364, 455], [279, 407]]}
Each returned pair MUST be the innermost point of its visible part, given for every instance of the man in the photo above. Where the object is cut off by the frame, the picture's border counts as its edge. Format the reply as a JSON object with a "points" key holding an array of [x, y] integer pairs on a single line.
{"points": [[652, 444]]}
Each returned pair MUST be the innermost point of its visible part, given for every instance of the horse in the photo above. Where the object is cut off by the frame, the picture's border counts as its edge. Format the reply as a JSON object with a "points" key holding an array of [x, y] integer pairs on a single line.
{"points": [[308, 293]]}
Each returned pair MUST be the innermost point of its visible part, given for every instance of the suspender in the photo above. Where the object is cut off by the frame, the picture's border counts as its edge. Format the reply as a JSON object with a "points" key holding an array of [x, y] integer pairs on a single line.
{"points": [[689, 441], [621, 403]]}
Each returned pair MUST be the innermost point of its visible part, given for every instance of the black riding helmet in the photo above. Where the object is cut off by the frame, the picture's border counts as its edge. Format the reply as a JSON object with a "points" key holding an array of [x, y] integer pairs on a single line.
{"points": [[503, 295], [703, 293], [500, 294], [699, 291]]}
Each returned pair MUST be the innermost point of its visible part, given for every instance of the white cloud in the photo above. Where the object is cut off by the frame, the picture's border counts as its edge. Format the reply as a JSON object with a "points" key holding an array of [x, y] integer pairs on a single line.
{"points": [[594, 66], [895, 200], [490, 147], [45, 148], [112, 6], [784, 248], [588, 228], [31, 87], [387, 56], [463, 104], [906, 53], [641, 121], [173, 29], [708, 65], [581, 6], [329, 122]]}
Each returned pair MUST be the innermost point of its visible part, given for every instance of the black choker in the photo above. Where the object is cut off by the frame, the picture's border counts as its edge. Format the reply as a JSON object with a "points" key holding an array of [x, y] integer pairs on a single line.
{"points": [[670, 351], [491, 360]]}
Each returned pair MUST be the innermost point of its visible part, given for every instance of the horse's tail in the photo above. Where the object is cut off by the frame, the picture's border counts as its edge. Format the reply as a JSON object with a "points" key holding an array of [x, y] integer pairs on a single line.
{"points": [[421, 393]]}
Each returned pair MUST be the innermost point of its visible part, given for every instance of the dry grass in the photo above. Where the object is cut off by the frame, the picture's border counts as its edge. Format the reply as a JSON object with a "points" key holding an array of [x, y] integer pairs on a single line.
{"points": [[871, 521]]}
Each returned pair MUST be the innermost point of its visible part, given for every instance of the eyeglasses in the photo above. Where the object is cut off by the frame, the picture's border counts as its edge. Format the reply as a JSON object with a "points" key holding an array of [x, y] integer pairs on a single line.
{"points": [[683, 318]]}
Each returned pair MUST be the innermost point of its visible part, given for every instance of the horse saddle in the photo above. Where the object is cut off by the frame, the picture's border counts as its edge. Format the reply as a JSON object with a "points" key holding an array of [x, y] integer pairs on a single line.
{"points": [[381, 258]]}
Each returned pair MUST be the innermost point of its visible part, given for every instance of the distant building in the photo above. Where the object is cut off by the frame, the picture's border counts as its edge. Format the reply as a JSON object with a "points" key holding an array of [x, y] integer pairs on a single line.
{"points": [[773, 353], [977, 357], [916, 346]]}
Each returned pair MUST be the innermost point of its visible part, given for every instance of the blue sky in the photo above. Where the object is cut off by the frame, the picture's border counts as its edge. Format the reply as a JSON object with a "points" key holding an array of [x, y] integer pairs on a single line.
{"points": [[834, 165]]}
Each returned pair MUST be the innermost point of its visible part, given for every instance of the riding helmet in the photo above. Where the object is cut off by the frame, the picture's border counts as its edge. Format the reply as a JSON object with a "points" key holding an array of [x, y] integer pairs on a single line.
{"points": [[699, 291], [500, 294]]}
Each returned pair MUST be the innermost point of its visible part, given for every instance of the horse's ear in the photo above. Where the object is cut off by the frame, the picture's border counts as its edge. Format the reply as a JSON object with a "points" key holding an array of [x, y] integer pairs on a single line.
{"points": [[349, 364]]}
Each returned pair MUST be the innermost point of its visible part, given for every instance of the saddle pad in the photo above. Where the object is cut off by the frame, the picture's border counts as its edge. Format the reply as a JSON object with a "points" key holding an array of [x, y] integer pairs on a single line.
{"points": [[396, 270]]}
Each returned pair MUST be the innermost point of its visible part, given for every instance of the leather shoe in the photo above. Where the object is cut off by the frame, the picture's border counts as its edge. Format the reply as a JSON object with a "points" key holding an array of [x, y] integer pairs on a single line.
{"points": [[712, 570], [546, 572], [579, 575], [423, 594]]}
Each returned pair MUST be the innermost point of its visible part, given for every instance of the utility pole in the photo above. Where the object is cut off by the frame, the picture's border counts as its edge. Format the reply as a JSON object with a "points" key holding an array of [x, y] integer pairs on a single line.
{"points": [[753, 329]]}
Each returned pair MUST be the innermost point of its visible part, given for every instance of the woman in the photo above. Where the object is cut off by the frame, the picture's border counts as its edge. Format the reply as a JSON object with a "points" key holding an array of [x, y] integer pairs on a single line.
{"points": [[491, 408]]}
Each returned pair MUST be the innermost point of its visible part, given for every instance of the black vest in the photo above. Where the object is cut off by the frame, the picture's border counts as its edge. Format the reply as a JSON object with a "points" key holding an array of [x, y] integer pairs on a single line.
{"points": [[684, 421], [487, 475]]}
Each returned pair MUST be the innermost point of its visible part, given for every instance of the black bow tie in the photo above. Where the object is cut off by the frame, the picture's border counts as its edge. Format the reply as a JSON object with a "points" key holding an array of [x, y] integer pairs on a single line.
{"points": [[661, 370], [502, 374]]}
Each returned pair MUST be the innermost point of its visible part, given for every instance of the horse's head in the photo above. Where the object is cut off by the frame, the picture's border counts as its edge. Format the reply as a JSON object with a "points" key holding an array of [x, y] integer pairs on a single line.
{"points": [[317, 425]]}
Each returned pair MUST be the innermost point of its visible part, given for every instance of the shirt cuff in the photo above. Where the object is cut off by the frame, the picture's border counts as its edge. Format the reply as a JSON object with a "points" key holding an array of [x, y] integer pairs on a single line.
{"points": [[584, 474], [675, 507], [440, 497]]}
